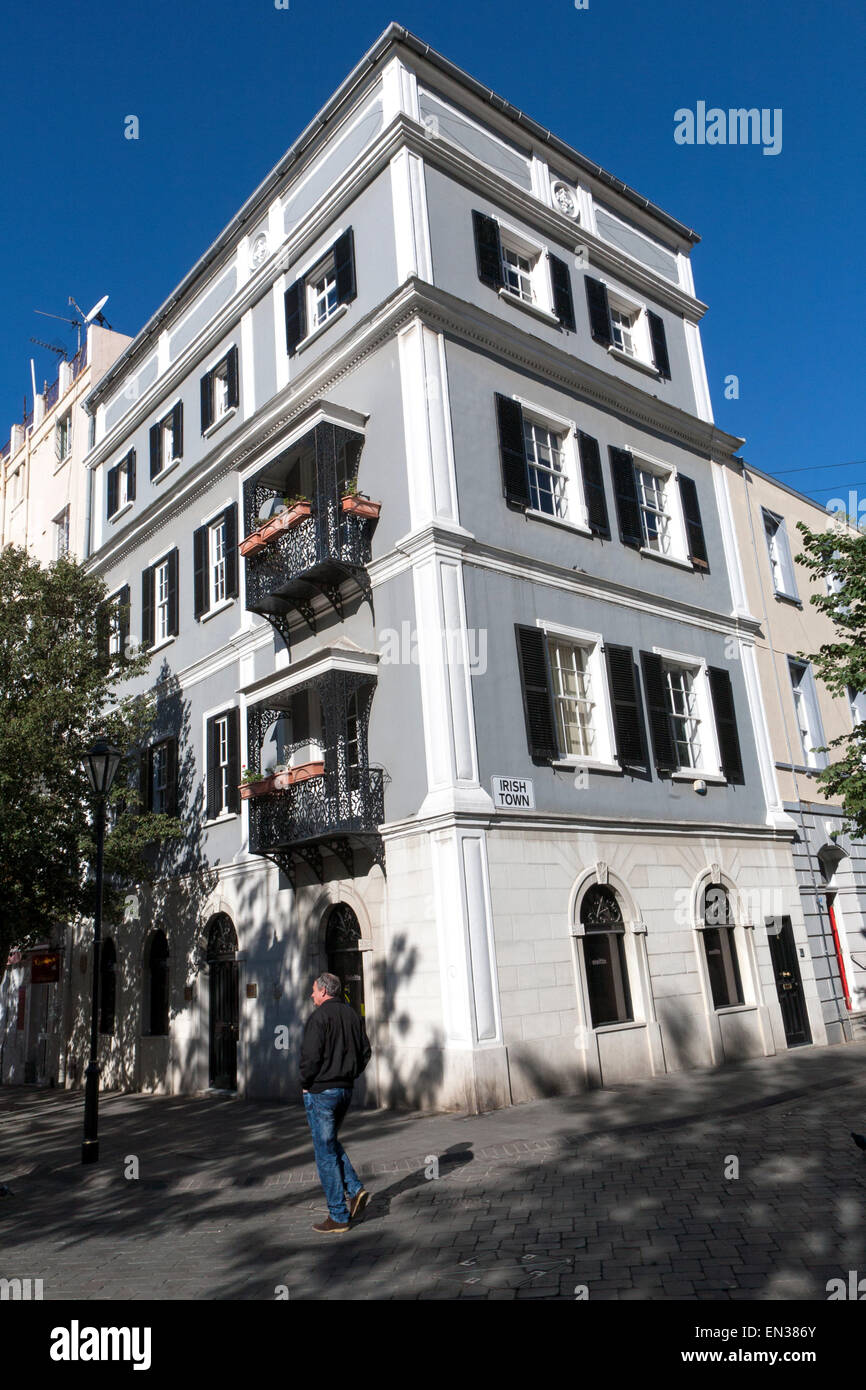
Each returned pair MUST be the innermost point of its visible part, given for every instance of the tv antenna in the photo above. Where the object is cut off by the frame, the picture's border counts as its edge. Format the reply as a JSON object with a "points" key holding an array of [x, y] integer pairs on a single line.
{"points": [[95, 314], [52, 347]]}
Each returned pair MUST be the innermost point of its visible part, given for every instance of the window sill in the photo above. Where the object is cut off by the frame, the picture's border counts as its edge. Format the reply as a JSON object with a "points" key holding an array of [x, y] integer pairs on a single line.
{"points": [[158, 477], [215, 424], [616, 1027], [317, 332], [696, 774], [212, 612], [667, 559], [222, 818], [649, 368], [788, 598], [557, 521], [591, 765], [799, 767], [158, 646], [737, 1009], [531, 308], [115, 516], [61, 463]]}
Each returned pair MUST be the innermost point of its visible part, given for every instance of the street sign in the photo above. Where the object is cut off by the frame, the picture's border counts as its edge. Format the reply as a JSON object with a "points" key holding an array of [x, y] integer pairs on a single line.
{"points": [[513, 793]]}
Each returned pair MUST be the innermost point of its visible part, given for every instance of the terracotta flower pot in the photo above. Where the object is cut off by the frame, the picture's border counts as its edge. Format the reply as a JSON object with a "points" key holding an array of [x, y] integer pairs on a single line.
{"points": [[306, 771], [250, 544], [361, 506], [284, 520], [277, 782]]}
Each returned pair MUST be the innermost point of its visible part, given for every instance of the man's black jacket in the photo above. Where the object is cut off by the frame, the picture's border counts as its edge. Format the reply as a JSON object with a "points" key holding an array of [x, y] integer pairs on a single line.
{"points": [[335, 1049]]}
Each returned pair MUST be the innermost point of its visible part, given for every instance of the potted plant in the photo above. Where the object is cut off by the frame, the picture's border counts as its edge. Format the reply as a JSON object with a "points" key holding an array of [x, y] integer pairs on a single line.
{"points": [[295, 508], [276, 779], [254, 541], [358, 503]]}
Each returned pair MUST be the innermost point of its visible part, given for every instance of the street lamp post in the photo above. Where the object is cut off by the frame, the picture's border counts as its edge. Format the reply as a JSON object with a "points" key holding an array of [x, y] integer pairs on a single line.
{"points": [[101, 764]]}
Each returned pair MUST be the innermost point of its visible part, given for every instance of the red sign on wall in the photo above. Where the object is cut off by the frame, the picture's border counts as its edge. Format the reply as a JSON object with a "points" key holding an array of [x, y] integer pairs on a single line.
{"points": [[45, 967]]}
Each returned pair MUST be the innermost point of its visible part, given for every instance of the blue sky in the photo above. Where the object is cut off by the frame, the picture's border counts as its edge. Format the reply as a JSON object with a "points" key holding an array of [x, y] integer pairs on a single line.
{"points": [[222, 89]]}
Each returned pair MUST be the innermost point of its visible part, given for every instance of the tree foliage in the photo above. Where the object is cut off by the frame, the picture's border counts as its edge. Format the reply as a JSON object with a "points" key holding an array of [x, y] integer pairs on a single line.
{"points": [[60, 690], [839, 554]]}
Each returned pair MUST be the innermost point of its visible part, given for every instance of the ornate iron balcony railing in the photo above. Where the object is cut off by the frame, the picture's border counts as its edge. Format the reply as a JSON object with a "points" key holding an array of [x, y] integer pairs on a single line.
{"points": [[314, 556], [318, 809]]}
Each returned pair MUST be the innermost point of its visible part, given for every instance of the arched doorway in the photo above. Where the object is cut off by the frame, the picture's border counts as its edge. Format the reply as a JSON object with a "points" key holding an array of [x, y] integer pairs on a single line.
{"points": [[222, 945], [342, 938]]}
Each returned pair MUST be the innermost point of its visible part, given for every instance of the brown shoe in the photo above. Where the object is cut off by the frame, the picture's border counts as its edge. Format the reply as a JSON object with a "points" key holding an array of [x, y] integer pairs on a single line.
{"points": [[358, 1203], [327, 1226]]}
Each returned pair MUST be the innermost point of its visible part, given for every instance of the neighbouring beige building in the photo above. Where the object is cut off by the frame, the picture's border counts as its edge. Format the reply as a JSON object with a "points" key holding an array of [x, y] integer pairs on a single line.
{"points": [[44, 500], [803, 717]]}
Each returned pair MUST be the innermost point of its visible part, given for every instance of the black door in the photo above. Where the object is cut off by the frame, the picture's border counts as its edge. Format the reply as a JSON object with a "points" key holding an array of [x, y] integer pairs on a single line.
{"points": [[789, 985], [224, 1025]]}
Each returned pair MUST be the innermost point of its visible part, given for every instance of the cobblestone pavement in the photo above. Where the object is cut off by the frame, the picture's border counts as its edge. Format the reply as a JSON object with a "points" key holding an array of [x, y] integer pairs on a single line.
{"points": [[738, 1184]]}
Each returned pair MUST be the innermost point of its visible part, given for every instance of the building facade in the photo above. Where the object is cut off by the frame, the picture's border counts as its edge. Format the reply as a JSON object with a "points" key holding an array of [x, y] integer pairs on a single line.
{"points": [[804, 718], [43, 507], [433, 544]]}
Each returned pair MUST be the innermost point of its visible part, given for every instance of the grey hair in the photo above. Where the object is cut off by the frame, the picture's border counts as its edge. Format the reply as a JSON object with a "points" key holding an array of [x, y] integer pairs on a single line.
{"points": [[329, 984]]}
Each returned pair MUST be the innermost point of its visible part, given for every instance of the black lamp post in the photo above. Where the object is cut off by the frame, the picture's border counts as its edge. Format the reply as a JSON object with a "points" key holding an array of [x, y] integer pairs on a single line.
{"points": [[101, 764]]}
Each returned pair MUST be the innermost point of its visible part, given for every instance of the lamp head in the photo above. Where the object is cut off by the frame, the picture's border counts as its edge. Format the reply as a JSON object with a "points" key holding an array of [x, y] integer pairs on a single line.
{"points": [[101, 763]]}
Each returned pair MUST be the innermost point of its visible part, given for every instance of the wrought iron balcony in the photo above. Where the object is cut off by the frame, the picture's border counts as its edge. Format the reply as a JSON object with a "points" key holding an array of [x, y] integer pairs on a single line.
{"points": [[319, 554], [330, 812]]}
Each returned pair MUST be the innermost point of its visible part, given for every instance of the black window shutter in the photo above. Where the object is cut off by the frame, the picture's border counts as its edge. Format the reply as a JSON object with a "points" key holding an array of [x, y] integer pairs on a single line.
{"points": [[599, 313], [147, 607], [234, 726], [488, 249], [537, 695], [344, 267], [155, 450], [171, 776], [694, 525], [593, 484], [130, 475], [232, 378], [206, 398], [172, 594], [563, 304], [628, 720], [296, 315], [211, 755], [512, 450], [659, 343], [231, 521], [146, 779], [664, 747], [112, 490], [123, 601], [726, 723], [625, 492], [177, 426], [201, 588]]}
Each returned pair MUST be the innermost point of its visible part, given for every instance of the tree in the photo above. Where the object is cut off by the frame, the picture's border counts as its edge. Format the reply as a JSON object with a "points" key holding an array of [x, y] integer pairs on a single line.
{"points": [[839, 555], [60, 689]]}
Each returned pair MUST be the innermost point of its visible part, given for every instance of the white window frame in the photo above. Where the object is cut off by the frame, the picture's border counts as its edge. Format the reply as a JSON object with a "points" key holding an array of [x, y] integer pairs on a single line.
{"points": [[321, 272], [779, 554], [62, 533], [114, 647], [159, 759], [621, 303], [678, 547], [576, 516], [216, 561], [160, 603], [604, 756], [518, 243], [711, 758], [806, 712], [220, 390], [63, 436], [221, 726]]}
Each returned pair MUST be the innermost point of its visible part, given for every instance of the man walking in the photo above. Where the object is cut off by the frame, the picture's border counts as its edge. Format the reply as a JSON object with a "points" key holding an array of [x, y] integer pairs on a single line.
{"points": [[334, 1052]]}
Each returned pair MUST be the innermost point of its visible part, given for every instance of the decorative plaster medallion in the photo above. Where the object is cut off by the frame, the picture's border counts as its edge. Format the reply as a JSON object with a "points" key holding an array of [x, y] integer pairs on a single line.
{"points": [[565, 199], [258, 250]]}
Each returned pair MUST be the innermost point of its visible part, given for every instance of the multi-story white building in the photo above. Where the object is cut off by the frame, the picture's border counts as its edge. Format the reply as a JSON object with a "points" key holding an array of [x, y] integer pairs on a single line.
{"points": [[522, 795], [43, 507]]}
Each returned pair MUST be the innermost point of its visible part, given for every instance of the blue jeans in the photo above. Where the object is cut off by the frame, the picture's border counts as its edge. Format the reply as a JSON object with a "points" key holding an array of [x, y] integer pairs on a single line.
{"points": [[325, 1112]]}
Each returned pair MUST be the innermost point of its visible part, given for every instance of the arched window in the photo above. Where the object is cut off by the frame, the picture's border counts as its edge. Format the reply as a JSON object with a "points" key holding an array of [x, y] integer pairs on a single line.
{"points": [[107, 985], [222, 940], [604, 956], [342, 935], [157, 973], [720, 950]]}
